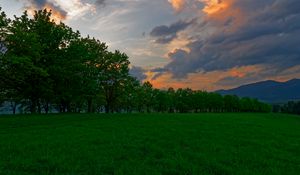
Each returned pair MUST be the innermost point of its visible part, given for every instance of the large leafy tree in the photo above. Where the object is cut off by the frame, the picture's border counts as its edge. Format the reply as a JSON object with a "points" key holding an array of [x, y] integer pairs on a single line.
{"points": [[34, 47], [55, 40], [22, 75], [87, 56], [113, 74]]}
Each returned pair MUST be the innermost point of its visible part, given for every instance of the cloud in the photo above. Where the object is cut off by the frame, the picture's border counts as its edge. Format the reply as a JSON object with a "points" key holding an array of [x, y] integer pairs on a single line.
{"points": [[58, 13], [165, 34], [213, 6], [138, 72], [257, 73], [248, 33], [158, 72], [178, 5], [100, 2], [61, 9], [210, 7]]}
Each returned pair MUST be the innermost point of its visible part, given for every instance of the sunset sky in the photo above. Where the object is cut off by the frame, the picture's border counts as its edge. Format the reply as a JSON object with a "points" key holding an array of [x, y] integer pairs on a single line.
{"points": [[201, 44]]}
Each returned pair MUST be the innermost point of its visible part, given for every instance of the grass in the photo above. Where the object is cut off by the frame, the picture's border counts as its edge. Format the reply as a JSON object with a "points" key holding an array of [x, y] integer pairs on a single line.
{"points": [[150, 144]]}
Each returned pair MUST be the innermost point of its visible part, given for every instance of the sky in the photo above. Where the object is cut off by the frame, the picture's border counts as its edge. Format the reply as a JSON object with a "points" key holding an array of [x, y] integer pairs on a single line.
{"points": [[200, 44]]}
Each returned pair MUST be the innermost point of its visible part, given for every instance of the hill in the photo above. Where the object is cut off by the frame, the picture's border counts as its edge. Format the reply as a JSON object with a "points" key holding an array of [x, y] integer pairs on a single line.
{"points": [[268, 91]]}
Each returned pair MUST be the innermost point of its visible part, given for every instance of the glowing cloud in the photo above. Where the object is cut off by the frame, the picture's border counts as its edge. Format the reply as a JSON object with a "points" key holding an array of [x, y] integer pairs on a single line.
{"points": [[214, 6], [61, 9], [58, 14], [178, 5], [211, 7]]}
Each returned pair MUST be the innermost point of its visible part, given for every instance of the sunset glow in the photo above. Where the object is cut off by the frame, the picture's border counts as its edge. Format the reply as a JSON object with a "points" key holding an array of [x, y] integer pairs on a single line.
{"points": [[214, 6], [177, 4], [56, 15]]}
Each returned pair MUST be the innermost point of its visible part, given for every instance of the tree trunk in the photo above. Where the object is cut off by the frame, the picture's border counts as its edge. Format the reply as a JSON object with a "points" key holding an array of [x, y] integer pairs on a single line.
{"points": [[90, 105], [39, 106], [107, 110], [46, 107], [14, 107], [33, 106]]}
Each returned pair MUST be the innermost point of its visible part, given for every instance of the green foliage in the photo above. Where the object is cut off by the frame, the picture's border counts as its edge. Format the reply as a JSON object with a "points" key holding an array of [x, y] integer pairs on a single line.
{"points": [[4, 22], [188, 101], [48, 64], [243, 144], [292, 107], [114, 74]]}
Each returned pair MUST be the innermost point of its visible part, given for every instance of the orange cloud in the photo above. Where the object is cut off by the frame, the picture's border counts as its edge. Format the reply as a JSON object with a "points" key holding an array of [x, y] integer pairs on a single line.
{"points": [[211, 7], [56, 14], [221, 11], [241, 72], [205, 81], [196, 81], [216, 10], [214, 6], [178, 5]]}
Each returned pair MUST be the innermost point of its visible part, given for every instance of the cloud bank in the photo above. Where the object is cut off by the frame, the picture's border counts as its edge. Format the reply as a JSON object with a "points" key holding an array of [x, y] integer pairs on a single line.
{"points": [[233, 34]]}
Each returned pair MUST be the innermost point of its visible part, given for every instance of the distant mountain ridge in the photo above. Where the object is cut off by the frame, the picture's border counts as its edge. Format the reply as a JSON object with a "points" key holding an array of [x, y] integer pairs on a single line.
{"points": [[268, 91]]}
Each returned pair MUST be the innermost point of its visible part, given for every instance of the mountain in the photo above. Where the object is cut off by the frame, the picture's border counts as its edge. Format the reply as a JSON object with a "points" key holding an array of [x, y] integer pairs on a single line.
{"points": [[268, 91]]}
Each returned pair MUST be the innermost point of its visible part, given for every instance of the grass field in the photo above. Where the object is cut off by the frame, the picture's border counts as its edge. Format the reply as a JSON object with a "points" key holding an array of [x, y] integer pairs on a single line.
{"points": [[150, 144]]}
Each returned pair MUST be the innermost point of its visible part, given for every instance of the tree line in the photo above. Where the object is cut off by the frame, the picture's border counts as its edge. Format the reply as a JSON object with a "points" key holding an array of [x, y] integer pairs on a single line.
{"points": [[292, 107], [148, 99], [46, 67]]}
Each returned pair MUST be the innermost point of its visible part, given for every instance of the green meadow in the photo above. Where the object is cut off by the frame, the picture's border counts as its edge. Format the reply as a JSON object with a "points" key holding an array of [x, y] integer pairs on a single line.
{"points": [[150, 144]]}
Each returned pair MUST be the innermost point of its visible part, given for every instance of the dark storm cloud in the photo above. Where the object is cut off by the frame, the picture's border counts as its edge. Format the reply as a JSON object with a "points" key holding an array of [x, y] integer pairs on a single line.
{"points": [[267, 34], [138, 72], [165, 34]]}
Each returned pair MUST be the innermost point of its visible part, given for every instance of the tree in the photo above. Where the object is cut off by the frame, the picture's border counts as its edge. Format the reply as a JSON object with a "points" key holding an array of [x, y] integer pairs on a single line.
{"points": [[4, 22], [231, 103], [183, 99], [81, 62], [146, 96], [161, 100], [56, 60], [21, 72], [171, 100], [292, 107], [215, 102], [113, 73]]}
